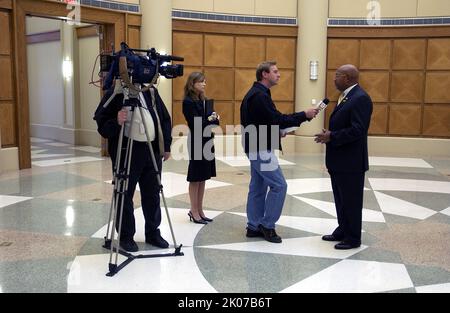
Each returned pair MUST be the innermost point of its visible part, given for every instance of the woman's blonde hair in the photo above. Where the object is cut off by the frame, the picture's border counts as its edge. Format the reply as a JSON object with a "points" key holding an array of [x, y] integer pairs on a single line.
{"points": [[189, 90]]}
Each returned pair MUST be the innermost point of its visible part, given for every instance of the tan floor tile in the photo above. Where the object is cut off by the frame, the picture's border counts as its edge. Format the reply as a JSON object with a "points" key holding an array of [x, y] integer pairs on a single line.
{"points": [[423, 243], [31, 246]]}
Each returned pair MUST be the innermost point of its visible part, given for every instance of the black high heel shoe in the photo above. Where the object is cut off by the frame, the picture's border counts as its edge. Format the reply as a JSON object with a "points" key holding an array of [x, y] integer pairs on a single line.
{"points": [[192, 219], [206, 219]]}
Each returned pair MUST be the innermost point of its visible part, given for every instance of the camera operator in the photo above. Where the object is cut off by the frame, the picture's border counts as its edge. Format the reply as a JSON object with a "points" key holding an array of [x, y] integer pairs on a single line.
{"points": [[158, 123]]}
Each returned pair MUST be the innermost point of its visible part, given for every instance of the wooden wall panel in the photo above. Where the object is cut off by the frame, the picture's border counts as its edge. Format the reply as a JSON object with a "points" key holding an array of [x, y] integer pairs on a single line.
{"points": [[177, 114], [5, 38], [436, 120], [283, 51], [342, 51], [284, 91], [7, 124], [375, 54], [405, 119], [437, 88], [285, 107], [6, 83], [244, 81], [332, 92], [378, 122], [376, 85], [407, 86], [237, 112], [220, 84], [249, 51], [406, 71], [226, 111], [190, 47], [179, 82], [409, 54], [219, 50], [231, 53], [438, 56], [134, 37]]}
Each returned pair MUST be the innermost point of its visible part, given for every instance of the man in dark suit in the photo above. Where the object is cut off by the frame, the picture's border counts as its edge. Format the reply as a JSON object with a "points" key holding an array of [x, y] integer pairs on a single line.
{"points": [[346, 155]]}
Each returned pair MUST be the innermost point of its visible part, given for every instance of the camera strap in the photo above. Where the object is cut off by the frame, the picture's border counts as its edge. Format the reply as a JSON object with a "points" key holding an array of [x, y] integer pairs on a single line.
{"points": [[160, 133]]}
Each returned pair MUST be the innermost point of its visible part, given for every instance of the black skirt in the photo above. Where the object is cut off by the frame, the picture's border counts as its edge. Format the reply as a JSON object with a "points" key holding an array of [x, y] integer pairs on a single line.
{"points": [[201, 169]]}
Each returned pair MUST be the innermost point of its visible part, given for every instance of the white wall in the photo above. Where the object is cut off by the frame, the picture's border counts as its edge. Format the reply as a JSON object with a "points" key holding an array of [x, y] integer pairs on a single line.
{"points": [[390, 8], [46, 86], [35, 25], [286, 8], [89, 95]]}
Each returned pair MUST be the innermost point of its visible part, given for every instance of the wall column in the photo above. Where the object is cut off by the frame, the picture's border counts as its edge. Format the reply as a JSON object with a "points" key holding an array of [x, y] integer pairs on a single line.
{"points": [[69, 120], [311, 46], [156, 32]]}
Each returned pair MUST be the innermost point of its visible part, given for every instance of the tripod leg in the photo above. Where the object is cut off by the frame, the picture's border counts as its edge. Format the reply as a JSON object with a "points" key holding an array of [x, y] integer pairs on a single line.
{"points": [[158, 177]]}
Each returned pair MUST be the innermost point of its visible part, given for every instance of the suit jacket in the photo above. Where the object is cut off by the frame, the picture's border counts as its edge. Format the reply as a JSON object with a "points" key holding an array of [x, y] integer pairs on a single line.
{"points": [[194, 108], [349, 125], [108, 127], [258, 109]]}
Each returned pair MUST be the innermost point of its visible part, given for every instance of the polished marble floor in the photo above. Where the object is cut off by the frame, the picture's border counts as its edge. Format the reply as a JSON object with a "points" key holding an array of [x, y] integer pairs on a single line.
{"points": [[53, 219]]}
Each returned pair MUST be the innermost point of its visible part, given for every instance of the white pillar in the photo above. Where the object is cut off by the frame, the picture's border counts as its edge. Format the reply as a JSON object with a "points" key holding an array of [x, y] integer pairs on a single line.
{"points": [[156, 32], [311, 46], [69, 120]]}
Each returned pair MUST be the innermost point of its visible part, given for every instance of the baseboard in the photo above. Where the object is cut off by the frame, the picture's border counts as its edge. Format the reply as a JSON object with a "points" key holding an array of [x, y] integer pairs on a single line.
{"points": [[85, 137], [378, 146], [9, 159], [53, 132], [402, 146]]}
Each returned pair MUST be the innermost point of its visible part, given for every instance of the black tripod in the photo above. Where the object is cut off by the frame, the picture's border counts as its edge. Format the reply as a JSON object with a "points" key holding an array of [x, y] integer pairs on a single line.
{"points": [[121, 179]]}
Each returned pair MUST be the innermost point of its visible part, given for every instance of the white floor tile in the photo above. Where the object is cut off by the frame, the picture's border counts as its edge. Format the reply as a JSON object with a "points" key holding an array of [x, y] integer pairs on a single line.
{"points": [[305, 246], [8, 200], [446, 211], [87, 149], [400, 207], [409, 185], [33, 152], [329, 207], [176, 184], [309, 185], [66, 161], [58, 144], [54, 156], [315, 225], [356, 276], [38, 140], [400, 162], [171, 274], [439, 288], [237, 161]]}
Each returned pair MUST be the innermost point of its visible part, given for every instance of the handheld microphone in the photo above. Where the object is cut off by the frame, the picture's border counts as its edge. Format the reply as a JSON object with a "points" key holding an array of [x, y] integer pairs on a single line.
{"points": [[322, 104]]}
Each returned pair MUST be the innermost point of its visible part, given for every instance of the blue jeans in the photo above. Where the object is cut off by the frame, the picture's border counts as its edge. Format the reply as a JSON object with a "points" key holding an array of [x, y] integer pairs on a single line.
{"points": [[264, 206]]}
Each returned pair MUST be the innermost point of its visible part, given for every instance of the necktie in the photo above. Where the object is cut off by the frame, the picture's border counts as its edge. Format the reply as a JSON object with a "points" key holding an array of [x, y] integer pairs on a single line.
{"points": [[160, 133], [341, 97]]}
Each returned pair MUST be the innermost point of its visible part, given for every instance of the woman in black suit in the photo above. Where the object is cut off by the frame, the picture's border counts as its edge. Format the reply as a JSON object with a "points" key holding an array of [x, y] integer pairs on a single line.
{"points": [[200, 117]]}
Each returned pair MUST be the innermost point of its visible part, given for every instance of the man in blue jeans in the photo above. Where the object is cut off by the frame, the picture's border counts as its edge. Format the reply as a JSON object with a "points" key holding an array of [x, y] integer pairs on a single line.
{"points": [[262, 123]]}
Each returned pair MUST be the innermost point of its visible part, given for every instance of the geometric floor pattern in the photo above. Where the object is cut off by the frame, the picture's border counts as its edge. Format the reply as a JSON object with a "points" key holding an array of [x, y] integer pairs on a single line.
{"points": [[53, 219]]}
